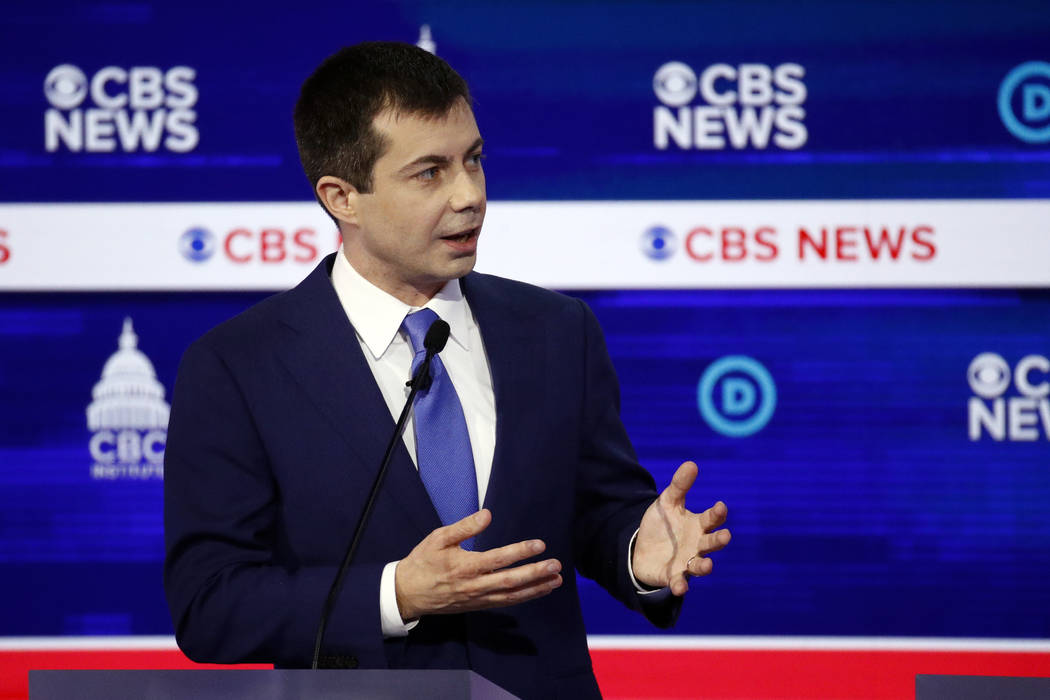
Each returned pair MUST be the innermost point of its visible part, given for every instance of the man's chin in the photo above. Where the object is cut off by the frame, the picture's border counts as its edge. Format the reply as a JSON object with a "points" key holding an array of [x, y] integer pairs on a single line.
{"points": [[453, 270], [460, 267]]}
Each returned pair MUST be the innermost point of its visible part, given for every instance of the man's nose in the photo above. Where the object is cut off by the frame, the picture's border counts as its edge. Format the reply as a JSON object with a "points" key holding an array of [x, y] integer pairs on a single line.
{"points": [[468, 191]]}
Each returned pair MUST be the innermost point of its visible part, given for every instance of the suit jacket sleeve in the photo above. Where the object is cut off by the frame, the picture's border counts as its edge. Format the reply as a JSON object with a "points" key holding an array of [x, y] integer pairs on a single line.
{"points": [[233, 598], [613, 489]]}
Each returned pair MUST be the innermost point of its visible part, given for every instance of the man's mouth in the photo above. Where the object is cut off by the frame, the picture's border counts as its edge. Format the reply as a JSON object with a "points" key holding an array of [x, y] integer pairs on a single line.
{"points": [[462, 236]]}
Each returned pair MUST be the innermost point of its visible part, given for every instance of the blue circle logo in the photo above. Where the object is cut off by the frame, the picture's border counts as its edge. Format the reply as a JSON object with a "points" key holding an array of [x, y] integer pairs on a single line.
{"points": [[197, 244], [737, 396], [1024, 102], [659, 243]]}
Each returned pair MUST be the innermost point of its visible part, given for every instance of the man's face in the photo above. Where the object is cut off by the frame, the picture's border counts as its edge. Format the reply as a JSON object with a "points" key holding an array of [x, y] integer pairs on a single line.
{"points": [[419, 226]]}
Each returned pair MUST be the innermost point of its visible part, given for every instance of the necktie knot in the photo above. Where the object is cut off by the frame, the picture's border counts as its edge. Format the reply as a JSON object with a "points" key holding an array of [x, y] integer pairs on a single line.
{"points": [[416, 325]]}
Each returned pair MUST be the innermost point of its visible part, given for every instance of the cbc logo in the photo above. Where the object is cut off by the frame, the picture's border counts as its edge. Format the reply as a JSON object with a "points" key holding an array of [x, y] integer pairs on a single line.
{"points": [[197, 244], [128, 446], [737, 396], [658, 243], [1024, 102], [66, 86]]}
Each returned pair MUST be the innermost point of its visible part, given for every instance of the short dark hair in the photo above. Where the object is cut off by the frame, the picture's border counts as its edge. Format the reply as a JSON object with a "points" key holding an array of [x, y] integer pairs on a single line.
{"points": [[337, 103]]}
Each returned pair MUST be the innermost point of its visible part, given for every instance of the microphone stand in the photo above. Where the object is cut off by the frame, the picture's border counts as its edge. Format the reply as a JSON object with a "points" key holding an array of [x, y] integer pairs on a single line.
{"points": [[420, 381]]}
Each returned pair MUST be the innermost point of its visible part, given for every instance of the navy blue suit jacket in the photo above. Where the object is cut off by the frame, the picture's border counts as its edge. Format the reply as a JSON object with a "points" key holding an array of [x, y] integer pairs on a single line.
{"points": [[277, 430]]}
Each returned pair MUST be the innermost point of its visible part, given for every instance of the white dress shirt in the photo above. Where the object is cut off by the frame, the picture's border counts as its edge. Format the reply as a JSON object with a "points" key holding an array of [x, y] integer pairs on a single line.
{"points": [[376, 317]]}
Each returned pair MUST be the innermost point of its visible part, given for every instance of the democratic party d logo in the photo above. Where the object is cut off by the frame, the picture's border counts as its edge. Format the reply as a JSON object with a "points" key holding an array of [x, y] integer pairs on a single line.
{"points": [[737, 396], [1024, 102]]}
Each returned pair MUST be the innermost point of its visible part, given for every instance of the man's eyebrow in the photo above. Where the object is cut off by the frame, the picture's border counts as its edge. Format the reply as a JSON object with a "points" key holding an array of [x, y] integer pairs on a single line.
{"points": [[424, 160], [436, 159]]}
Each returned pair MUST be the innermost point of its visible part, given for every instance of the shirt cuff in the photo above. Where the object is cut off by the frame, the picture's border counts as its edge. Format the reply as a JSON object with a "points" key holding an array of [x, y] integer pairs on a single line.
{"points": [[393, 625], [640, 588]]}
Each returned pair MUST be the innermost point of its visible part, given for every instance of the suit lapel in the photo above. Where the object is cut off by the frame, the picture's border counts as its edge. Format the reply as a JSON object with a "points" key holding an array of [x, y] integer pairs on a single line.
{"points": [[509, 335], [322, 352]]}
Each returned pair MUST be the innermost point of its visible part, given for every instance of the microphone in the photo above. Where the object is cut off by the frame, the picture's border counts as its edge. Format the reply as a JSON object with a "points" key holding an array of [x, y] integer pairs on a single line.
{"points": [[434, 342], [437, 336]]}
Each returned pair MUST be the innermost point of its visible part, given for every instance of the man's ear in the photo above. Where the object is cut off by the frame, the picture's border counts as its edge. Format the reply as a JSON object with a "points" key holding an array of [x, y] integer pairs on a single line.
{"points": [[339, 197]]}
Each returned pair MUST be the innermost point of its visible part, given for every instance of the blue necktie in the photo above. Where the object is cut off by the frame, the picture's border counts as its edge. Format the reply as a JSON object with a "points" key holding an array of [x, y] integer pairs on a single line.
{"points": [[446, 463]]}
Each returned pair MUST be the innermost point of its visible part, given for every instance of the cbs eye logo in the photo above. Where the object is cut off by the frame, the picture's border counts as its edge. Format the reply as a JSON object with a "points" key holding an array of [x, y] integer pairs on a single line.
{"points": [[736, 396], [65, 86], [675, 84], [988, 375], [1024, 102], [197, 244], [658, 243]]}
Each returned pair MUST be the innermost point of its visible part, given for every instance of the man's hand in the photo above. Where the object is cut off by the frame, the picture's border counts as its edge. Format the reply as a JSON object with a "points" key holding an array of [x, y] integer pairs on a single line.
{"points": [[440, 577], [673, 542]]}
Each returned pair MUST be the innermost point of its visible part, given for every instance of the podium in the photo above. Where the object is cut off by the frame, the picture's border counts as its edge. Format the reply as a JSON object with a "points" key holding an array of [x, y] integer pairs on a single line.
{"points": [[935, 687], [261, 685]]}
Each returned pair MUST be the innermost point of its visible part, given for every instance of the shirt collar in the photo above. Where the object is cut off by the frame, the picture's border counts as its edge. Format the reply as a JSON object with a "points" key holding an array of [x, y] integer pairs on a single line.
{"points": [[377, 315]]}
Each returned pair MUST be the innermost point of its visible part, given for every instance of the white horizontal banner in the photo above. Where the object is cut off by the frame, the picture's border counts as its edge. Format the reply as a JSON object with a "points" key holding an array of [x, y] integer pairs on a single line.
{"points": [[562, 245]]}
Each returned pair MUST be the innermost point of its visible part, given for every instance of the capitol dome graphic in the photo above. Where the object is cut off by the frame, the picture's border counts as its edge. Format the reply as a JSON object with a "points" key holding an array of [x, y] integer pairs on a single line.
{"points": [[128, 396]]}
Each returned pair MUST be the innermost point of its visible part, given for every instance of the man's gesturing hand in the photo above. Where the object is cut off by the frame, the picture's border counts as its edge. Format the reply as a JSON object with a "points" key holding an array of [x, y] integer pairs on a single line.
{"points": [[673, 542], [440, 577]]}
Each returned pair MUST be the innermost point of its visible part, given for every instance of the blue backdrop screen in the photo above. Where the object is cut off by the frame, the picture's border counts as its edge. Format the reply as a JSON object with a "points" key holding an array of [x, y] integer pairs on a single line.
{"points": [[860, 501], [897, 100], [885, 454]]}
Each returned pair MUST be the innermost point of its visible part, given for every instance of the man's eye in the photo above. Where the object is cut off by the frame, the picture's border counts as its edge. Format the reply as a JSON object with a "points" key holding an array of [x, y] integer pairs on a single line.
{"points": [[476, 158], [428, 174]]}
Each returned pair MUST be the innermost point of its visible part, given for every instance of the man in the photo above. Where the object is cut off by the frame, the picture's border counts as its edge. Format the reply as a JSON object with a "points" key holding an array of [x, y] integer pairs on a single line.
{"points": [[280, 418]]}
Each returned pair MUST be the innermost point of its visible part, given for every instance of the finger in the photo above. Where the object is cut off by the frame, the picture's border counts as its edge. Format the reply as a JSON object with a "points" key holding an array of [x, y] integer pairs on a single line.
{"points": [[680, 484], [517, 577], [518, 595], [473, 524], [714, 516], [700, 566], [714, 541], [679, 584], [502, 557]]}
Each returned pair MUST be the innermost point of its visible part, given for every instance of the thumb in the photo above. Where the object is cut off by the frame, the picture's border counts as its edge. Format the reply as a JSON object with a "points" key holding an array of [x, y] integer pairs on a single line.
{"points": [[464, 529]]}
